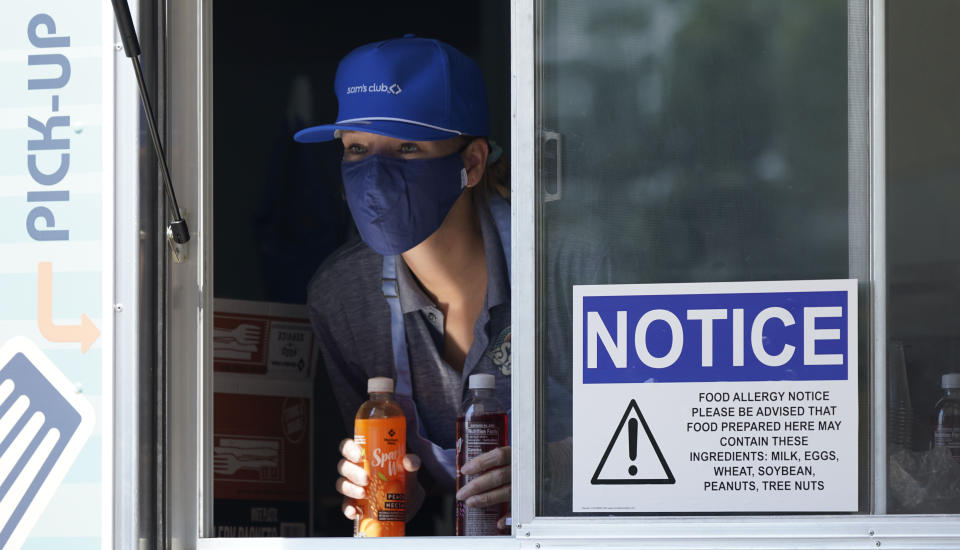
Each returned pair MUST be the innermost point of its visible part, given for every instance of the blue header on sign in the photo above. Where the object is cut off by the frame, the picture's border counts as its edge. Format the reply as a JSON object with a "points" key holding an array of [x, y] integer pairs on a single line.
{"points": [[715, 337]]}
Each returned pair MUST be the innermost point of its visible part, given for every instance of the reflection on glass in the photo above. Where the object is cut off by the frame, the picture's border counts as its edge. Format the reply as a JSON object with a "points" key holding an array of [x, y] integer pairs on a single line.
{"points": [[700, 141], [923, 259]]}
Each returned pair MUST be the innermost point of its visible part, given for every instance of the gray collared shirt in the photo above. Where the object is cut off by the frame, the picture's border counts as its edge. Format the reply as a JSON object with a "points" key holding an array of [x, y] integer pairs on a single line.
{"points": [[352, 320]]}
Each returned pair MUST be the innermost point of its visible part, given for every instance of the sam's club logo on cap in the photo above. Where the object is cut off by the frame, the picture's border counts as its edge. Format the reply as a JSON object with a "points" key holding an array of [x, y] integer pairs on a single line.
{"points": [[381, 88]]}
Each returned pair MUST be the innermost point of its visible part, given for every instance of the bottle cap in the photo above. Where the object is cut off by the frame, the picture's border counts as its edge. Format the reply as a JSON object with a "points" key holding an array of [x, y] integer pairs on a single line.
{"points": [[484, 382], [950, 381], [380, 384]]}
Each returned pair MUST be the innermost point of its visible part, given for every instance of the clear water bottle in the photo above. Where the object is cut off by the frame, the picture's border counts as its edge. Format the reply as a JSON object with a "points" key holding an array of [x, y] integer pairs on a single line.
{"points": [[946, 431], [481, 427]]}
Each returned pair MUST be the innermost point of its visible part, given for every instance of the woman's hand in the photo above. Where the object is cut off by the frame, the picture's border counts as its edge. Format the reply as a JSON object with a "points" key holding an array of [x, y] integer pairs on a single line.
{"points": [[492, 486], [353, 480]]}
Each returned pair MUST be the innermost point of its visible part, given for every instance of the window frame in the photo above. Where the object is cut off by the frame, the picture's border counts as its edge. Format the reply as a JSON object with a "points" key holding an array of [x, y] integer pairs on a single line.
{"points": [[867, 169], [188, 493]]}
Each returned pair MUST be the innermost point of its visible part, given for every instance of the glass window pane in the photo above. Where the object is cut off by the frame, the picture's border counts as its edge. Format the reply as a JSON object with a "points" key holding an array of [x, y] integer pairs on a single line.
{"points": [[687, 141], [923, 114]]}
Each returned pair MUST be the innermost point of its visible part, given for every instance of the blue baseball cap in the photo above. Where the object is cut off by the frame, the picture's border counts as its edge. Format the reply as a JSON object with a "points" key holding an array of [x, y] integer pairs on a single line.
{"points": [[408, 88]]}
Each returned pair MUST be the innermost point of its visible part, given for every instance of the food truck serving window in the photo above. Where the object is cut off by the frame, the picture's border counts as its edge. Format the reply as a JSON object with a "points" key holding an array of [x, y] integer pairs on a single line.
{"points": [[715, 334], [732, 304]]}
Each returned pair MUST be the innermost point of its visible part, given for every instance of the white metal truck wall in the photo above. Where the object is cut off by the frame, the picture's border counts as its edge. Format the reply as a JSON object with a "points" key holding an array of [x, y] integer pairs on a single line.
{"points": [[56, 274]]}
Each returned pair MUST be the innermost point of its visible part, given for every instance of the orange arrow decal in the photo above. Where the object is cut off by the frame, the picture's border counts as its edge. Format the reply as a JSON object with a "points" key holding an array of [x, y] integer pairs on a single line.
{"points": [[86, 332]]}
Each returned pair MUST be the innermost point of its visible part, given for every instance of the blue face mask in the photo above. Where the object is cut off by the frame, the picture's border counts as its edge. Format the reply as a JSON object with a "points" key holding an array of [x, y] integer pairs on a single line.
{"points": [[397, 203]]}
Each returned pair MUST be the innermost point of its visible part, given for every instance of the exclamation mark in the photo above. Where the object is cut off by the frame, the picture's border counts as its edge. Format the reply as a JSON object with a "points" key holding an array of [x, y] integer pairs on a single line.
{"points": [[632, 433]]}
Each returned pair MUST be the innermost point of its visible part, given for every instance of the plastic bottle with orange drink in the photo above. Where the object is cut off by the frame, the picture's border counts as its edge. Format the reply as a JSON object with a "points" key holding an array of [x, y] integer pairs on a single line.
{"points": [[380, 429]]}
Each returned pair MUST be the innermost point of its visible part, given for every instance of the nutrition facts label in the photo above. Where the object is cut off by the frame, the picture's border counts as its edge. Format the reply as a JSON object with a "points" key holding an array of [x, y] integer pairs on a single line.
{"points": [[754, 427]]}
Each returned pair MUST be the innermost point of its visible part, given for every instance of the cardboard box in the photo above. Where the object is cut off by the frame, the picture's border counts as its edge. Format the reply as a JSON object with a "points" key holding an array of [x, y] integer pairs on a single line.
{"points": [[263, 362]]}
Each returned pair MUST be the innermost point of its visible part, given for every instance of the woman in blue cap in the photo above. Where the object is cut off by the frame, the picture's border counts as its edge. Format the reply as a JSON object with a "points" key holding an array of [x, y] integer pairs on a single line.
{"points": [[424, 296]]}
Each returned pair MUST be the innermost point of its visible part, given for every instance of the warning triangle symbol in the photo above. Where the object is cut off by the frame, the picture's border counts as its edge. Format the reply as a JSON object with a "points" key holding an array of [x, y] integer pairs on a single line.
{"points": [[632, 456]]}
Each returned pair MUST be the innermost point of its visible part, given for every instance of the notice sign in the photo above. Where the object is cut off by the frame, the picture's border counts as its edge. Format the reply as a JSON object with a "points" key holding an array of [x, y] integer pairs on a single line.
{"points": [[715, 397]]}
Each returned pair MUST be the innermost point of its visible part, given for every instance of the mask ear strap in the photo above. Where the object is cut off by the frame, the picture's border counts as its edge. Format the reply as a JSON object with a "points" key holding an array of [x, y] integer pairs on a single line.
{"points": [[495, 152]]}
